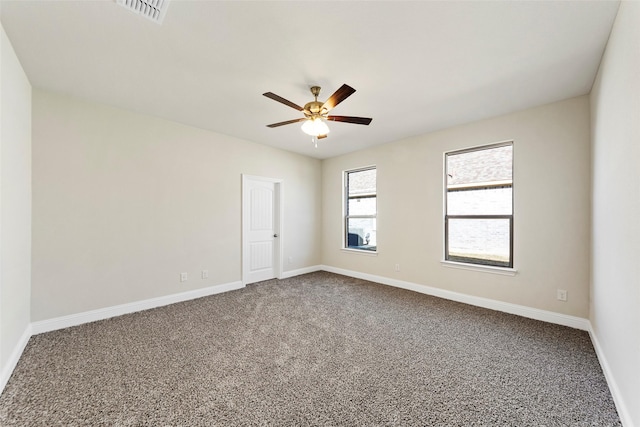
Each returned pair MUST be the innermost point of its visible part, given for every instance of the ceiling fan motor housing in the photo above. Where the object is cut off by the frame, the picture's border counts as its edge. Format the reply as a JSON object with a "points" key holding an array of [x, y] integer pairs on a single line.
{"points": [[314, 108]]}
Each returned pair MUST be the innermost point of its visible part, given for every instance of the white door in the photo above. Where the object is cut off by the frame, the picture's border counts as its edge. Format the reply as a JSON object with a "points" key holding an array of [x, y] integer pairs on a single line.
{"points": [[261, 229]]}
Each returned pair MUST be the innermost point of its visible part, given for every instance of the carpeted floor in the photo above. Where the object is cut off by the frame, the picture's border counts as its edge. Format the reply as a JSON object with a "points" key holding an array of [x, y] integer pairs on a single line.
{"points": [[314, 350]]}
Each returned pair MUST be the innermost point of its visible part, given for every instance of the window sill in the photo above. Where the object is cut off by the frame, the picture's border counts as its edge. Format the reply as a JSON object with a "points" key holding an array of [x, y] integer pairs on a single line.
{"points": [[360, 251], [483, 268]]}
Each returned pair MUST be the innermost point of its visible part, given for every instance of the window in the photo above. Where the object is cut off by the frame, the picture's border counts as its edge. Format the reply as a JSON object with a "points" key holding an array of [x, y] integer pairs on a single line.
{"points": [[360, 209], [479, 205]]}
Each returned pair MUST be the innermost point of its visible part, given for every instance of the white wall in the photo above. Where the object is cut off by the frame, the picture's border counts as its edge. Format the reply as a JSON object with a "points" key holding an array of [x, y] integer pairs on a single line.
{"points": [[551, 208], [15, 207], [123, 203], [615, 287]]}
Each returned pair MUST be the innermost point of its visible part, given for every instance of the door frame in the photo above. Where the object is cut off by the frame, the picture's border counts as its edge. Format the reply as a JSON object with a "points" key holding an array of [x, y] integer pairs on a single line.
{"points": [[278, 207]]}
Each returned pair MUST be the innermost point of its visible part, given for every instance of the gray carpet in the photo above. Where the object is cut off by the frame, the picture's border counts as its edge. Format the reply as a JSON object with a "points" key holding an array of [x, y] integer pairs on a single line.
{"points": [[318, 349]]}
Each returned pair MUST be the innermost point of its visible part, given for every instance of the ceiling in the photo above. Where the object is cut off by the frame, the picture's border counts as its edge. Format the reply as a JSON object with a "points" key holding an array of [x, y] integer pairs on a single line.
{"points": [[416, 66]]}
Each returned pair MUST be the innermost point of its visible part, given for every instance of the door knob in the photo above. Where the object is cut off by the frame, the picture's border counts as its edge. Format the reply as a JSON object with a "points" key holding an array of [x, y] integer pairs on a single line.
{"points": [[275, 235]]}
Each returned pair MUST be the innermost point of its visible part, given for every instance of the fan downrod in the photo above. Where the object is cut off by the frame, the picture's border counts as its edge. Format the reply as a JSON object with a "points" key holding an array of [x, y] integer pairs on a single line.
{"points": [[315, 91]]}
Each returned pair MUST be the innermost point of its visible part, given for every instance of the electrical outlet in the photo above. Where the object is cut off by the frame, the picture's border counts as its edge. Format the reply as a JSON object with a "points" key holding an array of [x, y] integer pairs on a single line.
{"points": [[397, 267], [290, 260], [184, 277], [205, 274], [562, 295]]}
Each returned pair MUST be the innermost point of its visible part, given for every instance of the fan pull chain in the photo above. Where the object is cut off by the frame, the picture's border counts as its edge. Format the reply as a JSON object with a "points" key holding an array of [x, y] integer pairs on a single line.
{"points": [[314, 140]]}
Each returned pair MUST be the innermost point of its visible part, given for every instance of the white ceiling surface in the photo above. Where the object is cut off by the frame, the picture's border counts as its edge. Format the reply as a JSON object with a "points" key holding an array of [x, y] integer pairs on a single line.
{"points": [[417, 66]]}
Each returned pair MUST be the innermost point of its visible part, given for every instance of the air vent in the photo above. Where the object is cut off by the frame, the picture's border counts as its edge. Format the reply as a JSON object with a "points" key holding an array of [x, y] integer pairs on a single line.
{"points": [[150, 9]]}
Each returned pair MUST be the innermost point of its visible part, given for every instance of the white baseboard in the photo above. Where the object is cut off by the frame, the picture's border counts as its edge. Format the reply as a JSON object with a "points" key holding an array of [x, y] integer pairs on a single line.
{"points": [[118, 310], [11, 364], [300, 271], [621, 407], [520, 310]]}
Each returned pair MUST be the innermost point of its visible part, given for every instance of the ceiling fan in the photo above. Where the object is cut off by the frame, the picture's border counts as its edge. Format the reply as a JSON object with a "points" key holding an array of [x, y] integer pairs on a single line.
{"points": [[316, 113]]}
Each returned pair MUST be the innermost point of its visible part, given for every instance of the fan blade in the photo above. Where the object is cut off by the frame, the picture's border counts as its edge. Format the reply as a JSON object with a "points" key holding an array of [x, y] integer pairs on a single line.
{"points": [[282, 100], [349, 119], [288, 122], [340, 95], [321, 136]]}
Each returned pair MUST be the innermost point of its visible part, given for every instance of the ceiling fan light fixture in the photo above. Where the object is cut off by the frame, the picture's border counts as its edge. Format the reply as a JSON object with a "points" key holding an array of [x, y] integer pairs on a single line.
{"points": [[315, 127]]}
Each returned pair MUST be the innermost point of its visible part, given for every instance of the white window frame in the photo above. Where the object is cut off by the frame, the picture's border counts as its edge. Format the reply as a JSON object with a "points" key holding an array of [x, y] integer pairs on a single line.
{"points": [[345, 208]]}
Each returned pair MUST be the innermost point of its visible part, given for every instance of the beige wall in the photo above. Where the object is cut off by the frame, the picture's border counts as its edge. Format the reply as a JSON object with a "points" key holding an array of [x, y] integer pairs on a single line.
{"points": [[551, 210], [15, 204], [615, 287], [123, 203]]}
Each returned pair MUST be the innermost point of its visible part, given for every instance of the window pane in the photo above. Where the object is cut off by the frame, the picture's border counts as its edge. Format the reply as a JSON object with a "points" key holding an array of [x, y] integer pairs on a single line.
{"points": [[491, 201], [362, 233], [484, 165], [362, 206], [362, 182], [481, 241]]}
